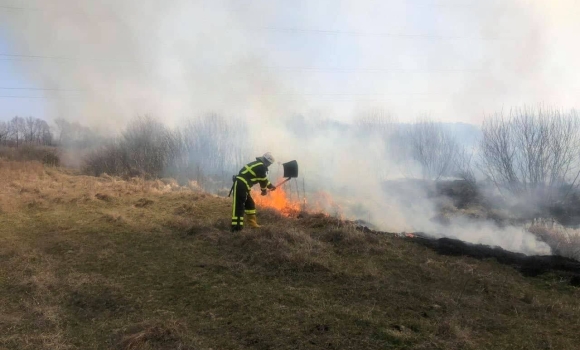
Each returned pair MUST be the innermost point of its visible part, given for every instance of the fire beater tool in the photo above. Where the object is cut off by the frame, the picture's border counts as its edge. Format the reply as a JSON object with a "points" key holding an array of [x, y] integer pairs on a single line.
{"points": [[290, 172]]}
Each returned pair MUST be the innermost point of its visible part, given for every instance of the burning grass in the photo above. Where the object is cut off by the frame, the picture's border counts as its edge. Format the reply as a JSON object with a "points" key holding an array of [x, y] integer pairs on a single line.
{"points": [[292, 205], [151, 265], [278, 200]]}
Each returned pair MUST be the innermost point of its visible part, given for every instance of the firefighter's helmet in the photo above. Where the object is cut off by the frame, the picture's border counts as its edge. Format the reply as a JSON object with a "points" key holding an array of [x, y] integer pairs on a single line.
{"points": [[268, 157]]}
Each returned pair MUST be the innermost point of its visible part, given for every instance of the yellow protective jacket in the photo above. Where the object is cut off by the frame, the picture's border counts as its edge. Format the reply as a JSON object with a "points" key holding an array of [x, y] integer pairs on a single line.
{"points": [[253, 173]]}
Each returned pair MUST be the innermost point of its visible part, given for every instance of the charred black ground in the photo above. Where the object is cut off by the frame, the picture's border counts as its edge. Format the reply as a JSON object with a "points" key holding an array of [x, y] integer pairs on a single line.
{"points": [[529, 266]]}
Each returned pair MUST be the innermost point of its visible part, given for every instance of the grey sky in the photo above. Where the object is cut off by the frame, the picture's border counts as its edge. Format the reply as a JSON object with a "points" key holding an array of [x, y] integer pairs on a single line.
{"points": [[454, 60]]}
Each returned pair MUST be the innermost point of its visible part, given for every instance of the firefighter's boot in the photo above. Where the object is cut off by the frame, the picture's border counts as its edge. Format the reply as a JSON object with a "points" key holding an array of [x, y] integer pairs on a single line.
{"points": [[252, 221]]}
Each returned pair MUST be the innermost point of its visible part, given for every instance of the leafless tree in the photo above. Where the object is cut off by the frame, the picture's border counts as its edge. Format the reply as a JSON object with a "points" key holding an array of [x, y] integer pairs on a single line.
{"points": [[44, 134], [63, 130], [376, 122], [432, 147], [464, 166], [214, 146], [30, 129], [25, 130], [534, 152], [36, 131], [16, 130], [4, 131]]}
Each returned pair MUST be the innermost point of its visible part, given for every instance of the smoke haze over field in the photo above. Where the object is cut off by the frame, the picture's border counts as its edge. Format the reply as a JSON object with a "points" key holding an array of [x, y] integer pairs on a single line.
{"points": [[103, 63]]}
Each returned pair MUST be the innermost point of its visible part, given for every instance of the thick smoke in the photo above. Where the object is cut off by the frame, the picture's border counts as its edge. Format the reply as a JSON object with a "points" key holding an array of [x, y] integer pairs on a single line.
{"points": [[126, 58], [265, 61]]}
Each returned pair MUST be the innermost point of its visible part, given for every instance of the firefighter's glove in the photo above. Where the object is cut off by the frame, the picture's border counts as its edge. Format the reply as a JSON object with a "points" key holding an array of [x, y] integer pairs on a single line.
{"points": [[272, 188], [264, 192]]}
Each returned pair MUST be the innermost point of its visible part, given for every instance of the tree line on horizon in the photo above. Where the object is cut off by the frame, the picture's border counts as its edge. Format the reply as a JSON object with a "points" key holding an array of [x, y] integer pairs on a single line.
{"points": [[531, 152]]}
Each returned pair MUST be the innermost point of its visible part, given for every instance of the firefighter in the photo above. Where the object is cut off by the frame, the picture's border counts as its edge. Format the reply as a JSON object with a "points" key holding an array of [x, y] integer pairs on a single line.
{"points": [[251, 174]]}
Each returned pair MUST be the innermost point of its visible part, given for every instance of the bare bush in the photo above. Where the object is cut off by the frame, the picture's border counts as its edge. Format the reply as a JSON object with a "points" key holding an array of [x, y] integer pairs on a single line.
{"points": [[150, 146], [108, 159], [44, 154], [146, 147], [532, 154]]}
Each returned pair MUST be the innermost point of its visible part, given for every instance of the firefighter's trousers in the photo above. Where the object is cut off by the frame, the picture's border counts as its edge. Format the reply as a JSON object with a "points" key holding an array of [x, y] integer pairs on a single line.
{"points": [[243, 203]]}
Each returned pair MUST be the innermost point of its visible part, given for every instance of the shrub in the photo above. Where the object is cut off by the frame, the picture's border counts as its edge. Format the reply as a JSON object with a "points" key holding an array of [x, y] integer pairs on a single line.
{"points": [[44, 154], [147, 148]]}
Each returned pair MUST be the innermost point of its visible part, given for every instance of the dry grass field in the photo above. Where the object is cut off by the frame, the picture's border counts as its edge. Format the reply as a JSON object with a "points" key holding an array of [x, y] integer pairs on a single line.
{"points": [[103, 263]]}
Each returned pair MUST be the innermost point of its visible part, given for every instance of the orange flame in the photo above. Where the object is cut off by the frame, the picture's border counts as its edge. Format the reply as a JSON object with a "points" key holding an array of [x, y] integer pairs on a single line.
{"points": [[278, 200], [289, 205]]}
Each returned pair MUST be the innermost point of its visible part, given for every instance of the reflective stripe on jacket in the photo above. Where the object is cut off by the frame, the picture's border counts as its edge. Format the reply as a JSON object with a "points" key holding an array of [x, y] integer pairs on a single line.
{"points": [[253, 173]]}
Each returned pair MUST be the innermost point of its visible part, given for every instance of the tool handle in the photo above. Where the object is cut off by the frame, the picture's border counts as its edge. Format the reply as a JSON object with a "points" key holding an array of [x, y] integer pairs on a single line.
{"points": [[283, 182]]}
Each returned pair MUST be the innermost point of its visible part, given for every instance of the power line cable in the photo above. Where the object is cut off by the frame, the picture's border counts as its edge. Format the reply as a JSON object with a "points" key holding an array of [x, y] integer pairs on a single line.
{"points": [[23, 97], [294, 96], [371, 70], [42, 89], [370, 34], [18, 57], [19, 8], [353, 98]]}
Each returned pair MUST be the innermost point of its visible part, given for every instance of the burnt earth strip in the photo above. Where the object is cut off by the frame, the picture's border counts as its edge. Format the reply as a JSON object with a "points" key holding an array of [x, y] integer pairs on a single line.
{"points": [[528, 265]]}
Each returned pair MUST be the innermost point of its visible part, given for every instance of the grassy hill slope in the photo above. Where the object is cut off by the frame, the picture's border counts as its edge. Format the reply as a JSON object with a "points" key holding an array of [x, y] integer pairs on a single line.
{"points": [[101, 263]]}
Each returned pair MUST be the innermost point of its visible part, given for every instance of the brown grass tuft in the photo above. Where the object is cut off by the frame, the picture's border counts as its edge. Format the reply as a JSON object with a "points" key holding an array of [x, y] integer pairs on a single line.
{"points": [[104, 197], [113, 218], [223, 224], [281, 248], [351, 239], [185, 209], [158, 336], [143, 202], [320, 220]]}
